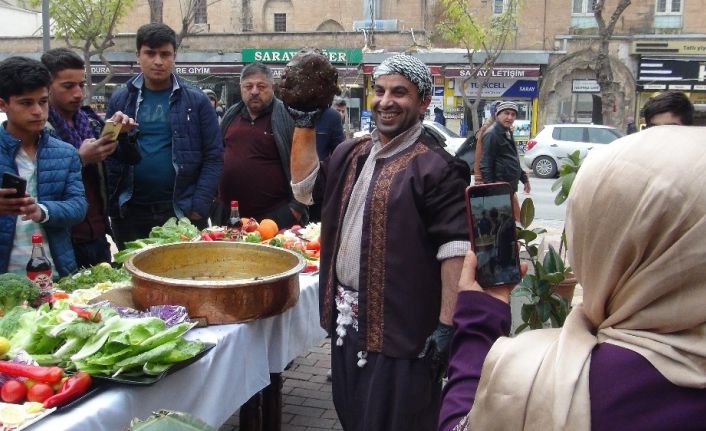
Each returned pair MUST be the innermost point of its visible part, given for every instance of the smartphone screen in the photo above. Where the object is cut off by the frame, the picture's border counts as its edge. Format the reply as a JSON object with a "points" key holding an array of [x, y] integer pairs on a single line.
{"points": [[12, 181], [493, 235]]}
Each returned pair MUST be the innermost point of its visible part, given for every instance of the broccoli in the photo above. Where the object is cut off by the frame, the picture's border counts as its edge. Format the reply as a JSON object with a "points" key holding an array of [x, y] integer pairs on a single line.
{"points": [[11, 321], [15, 290]]}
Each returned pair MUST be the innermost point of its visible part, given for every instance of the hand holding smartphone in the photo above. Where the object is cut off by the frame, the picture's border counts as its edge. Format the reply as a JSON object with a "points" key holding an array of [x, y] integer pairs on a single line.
{"points": [[12, 181], [111, 129], [491, 226]]}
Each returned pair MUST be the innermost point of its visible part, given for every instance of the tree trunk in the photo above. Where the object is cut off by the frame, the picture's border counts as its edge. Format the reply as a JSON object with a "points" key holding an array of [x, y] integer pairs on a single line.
{"points": [[156, 10]]}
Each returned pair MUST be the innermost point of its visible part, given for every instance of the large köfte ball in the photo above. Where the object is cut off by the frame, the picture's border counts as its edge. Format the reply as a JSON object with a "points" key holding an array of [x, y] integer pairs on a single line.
{"points": [[309, 81]]}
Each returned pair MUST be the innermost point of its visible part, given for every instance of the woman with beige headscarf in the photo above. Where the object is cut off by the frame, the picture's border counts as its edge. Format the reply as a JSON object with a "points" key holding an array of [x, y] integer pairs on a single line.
{"points": [[633, 356]]}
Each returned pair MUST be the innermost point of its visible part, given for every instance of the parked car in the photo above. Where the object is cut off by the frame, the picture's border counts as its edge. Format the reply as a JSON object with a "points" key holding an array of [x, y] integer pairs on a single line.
{"points": [[451, 139], [546, 152]]}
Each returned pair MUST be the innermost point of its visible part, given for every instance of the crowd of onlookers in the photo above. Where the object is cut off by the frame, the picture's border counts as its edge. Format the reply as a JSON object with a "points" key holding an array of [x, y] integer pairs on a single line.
{"points": [[398, 290]]}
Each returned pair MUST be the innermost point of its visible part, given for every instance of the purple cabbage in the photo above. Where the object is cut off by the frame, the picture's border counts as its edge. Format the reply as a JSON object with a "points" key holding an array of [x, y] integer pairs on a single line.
{"points": [[170, 314], [21, 358]]}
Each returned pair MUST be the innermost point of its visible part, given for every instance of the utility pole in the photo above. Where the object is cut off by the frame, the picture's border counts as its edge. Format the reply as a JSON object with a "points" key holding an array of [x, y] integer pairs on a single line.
{"points": [[45, 25]]}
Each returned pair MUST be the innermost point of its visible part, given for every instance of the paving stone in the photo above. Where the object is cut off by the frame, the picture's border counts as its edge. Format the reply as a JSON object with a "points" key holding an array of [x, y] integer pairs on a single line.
{"points": [[318, 395], [289, 374], [312, 412], [306, 385], [313, 422], [307, 360], [290, 427], [312, 370], [324, 404], [293, 399], [320, 379]]}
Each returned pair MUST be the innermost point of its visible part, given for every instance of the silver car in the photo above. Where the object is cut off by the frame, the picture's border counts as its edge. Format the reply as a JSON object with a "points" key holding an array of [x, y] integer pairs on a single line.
{"points": [[546, 152], [451, 139]]}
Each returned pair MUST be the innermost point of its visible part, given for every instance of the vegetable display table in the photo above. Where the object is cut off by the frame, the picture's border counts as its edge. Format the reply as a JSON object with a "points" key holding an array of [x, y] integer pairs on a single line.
{"points": [[215, 386]]}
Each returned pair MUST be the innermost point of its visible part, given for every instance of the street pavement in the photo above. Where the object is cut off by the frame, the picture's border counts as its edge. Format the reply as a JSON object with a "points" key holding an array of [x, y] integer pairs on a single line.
{"points": [[307, 404]]}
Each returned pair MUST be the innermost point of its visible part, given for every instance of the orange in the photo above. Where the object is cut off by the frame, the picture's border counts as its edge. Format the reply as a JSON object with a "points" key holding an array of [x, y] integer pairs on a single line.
{"points": [[268, 229]]}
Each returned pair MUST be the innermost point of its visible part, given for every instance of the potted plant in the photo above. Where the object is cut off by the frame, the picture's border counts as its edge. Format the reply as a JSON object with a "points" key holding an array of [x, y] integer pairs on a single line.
{"points": [[538, 286], [549, 286]]}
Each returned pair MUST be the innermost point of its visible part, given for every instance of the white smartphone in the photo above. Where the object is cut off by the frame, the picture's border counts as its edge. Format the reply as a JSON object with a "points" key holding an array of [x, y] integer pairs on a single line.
{"points": [[111, 129]]}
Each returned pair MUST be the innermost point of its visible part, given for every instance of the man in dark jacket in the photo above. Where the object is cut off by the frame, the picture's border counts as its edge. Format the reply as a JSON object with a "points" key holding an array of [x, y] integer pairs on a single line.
{"points": [[180, 149], [500, 160], [257, 136], [81, 127]]}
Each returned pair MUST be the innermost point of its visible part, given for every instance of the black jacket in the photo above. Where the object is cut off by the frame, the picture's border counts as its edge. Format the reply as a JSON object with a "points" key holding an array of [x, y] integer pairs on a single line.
{"points": [[500, 161]]}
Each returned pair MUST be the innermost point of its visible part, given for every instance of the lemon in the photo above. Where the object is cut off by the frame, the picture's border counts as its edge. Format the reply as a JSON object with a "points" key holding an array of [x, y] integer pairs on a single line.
{"points": [[4, 346], [33, 407], [12, 414]]}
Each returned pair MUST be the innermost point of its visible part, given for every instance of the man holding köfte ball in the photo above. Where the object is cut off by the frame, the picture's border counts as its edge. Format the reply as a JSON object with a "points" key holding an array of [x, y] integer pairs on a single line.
{"points": [[393, 236]]}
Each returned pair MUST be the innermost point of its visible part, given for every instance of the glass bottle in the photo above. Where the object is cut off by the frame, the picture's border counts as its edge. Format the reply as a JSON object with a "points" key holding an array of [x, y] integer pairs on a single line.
{"points": [[39, 267], [234, 221]]}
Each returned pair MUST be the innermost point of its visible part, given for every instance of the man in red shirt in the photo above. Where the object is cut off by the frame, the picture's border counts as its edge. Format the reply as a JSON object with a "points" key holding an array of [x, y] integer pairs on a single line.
{"points": [[257, 136]]}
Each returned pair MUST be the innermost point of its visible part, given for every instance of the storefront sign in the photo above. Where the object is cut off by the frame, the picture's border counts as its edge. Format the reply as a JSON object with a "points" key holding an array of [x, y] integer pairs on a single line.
{"points": [[680, 87], [585, 86], [671, 47], [495, 88], [335, 55], [654, 87], [207, 69], [504, 71], [179, 69], [699, 87], [671, 71]]}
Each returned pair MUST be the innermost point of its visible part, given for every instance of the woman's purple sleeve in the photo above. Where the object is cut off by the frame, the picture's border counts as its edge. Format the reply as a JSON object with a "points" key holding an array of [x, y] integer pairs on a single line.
{"points": [[478, 321]]}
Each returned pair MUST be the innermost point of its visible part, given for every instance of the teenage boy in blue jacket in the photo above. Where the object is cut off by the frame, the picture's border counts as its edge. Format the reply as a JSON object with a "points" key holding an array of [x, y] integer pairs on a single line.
{"points": [[180, 148], [55, 198]]}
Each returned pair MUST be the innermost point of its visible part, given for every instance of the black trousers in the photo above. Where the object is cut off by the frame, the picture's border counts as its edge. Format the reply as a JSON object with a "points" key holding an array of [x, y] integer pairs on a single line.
{"points": [[387, 394]]}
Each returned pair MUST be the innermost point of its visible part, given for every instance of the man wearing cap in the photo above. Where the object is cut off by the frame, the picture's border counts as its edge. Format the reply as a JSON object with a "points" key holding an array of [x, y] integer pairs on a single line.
{"points": [[393, 235], [500, 160]]}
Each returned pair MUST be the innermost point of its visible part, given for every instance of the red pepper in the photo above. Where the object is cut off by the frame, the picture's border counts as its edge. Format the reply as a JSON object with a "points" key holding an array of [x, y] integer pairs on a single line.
{"points": [[58, 294], [40, 374], [206, 237], [73, 387], [86, 314], [217, 235]]}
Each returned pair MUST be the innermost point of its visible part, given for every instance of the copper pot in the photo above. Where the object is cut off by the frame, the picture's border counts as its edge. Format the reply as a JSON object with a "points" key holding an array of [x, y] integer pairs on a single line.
{"points": [[220, 281]]}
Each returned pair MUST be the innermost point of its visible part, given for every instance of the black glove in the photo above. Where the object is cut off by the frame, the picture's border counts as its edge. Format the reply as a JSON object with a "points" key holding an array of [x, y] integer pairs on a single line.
{"points": [[303, 119], [436, 349]]}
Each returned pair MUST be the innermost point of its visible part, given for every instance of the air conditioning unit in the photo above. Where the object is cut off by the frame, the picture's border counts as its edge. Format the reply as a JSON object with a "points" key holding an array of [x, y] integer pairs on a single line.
{"points": [[377, 25]]}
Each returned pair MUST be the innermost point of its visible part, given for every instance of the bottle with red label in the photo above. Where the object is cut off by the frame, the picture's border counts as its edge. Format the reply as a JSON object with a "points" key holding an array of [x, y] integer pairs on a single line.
{"points": [[234, 221], [39, 267]]}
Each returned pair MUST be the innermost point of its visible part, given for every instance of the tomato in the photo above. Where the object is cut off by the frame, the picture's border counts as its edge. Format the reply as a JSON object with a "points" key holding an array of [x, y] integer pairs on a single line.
{"points": [[313, 245], [13, 391], [58, 294], [251, 225], [217, 235], [206, 237], [40, 392]]}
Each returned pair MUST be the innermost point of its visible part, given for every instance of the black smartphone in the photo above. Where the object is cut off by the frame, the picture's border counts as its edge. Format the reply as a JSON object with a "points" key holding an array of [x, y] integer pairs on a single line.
{"points": [[491, 226], [12, 181]]}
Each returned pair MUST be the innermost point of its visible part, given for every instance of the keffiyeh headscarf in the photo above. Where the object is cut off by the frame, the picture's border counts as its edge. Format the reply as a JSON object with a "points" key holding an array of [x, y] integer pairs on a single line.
{"points": [[411, 68], [642, 267]]}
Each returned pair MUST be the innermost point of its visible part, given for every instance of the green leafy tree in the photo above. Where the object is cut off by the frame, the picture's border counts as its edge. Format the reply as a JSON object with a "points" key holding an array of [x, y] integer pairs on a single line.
{"points": [[87, 26], [604, 70], [484, 41]]}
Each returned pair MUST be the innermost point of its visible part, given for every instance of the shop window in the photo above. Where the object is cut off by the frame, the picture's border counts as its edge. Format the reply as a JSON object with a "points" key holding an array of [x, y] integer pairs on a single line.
{"points": [[200, 12], [668, 14], [281, 22]]}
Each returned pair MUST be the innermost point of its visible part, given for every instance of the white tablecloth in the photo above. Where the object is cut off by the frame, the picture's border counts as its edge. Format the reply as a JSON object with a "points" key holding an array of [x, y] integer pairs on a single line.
{"points": [[215, 386]]}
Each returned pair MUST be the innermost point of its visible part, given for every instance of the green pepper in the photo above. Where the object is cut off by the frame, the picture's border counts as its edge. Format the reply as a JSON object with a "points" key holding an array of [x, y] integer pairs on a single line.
{"points": [[253, 237], [276, 242]]}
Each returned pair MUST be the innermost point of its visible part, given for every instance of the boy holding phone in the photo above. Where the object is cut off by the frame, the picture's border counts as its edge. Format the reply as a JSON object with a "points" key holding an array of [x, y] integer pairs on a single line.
{"points": [[55, 196], [94, 139]]}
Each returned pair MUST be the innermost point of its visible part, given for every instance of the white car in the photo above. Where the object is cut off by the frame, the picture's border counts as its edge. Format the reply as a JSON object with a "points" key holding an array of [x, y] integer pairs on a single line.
{"points": [[451, 139], [546, 152]]}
